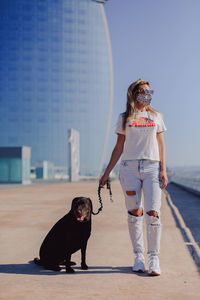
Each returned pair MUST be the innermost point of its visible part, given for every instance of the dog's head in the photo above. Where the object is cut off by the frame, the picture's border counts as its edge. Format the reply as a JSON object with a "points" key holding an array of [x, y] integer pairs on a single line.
{"points": [[82, 208]]}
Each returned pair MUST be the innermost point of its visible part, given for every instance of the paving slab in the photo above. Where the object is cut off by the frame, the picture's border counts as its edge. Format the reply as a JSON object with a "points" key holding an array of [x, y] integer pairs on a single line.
{"points": [[28, 213]]}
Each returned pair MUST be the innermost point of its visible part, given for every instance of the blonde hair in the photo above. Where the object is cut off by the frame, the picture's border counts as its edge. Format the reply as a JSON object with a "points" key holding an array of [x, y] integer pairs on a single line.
{"points": [[131, 104]]}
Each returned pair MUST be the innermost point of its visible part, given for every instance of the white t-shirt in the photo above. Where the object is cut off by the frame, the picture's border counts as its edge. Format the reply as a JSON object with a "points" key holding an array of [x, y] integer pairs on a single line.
{"points": [[141, 141]]}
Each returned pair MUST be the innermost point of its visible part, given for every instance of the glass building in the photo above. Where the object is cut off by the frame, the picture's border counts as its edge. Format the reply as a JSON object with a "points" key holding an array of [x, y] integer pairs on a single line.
{"points": [[55, 74]]}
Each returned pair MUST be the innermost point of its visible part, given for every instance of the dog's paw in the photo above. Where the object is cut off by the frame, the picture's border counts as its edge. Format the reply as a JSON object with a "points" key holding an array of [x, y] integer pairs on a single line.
{"points": [[69, 270], [37, 261], [84, 266]]}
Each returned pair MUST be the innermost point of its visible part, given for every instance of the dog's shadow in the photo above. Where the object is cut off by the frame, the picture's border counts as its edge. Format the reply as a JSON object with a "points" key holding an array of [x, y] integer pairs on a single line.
{"points": [[32, 269]]}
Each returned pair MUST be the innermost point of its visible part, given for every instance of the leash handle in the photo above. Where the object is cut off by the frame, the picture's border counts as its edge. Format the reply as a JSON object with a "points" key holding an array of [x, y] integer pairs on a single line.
{"points": [[109, 188], [100, 199]]}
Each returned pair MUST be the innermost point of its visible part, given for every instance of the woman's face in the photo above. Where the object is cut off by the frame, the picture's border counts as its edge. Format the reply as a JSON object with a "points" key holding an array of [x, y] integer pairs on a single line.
{"points": [[143, 89]]}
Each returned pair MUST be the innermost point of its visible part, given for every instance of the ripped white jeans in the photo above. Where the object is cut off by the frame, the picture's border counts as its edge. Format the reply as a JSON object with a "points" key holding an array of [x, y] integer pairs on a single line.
{"points": [[135, 176]]}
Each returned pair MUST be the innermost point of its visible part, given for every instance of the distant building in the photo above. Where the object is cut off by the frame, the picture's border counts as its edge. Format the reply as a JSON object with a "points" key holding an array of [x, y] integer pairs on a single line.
{"points": [[15, 164], [55, 74], [44, 170]]}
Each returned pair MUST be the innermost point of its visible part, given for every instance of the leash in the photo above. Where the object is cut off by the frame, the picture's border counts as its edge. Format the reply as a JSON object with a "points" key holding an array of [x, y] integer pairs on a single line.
{"points": [[100, 199]]}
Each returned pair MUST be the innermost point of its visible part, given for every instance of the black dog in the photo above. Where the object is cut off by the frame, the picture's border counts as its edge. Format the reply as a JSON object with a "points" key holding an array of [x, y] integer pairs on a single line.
{"points": [[67, 236]]}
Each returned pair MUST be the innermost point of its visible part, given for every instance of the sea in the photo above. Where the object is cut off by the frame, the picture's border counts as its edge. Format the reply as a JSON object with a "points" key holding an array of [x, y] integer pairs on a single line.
{"points": [[186, 176]]}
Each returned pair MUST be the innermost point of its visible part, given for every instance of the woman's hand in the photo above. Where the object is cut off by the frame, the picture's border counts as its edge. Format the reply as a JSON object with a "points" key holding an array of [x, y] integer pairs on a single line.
{"points": [[103, 179], [163, 179]]}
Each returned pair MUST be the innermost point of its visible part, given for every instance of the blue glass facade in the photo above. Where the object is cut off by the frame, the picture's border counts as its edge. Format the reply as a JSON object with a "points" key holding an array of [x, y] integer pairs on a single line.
{"points": [[55, 74]]}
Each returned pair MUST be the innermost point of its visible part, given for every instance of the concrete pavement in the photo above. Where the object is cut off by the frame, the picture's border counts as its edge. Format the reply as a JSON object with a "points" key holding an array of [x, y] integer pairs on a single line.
{"points": [[28, 213], [187, 219]]}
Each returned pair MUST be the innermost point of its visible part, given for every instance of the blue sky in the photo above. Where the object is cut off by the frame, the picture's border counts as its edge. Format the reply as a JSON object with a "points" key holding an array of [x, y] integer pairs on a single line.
{"points": [[159, 41]]}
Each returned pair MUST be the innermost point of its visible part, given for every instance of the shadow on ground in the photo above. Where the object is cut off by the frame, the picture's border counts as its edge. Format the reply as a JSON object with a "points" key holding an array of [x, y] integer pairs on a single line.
{"points": [[31, 269], [188, 205]]}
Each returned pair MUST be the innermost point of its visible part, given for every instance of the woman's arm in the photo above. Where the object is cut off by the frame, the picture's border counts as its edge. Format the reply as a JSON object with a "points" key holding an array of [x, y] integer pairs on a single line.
{"points": [[161, 147], [117, 151]]}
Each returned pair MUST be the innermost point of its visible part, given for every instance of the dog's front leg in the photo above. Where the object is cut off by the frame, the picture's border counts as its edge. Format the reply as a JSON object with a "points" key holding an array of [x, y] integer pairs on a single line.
{"points": [[83, 256], [68, 263]]}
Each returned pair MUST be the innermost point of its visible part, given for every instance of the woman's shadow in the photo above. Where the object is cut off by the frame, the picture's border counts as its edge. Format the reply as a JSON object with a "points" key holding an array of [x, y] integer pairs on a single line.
{"points": [[31, 269]]}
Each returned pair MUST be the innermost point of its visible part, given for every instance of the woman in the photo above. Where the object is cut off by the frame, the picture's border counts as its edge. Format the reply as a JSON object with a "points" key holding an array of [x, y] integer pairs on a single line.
{"points": [[140, 140]]}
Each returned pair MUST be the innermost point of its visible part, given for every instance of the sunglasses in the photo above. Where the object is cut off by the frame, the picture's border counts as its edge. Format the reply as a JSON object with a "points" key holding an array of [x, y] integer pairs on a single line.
{"points": [[142, 91]]}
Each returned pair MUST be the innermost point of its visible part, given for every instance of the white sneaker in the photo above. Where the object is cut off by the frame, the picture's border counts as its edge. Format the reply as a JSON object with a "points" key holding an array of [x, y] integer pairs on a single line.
{"points": [[139, 263], [154, 267]]}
